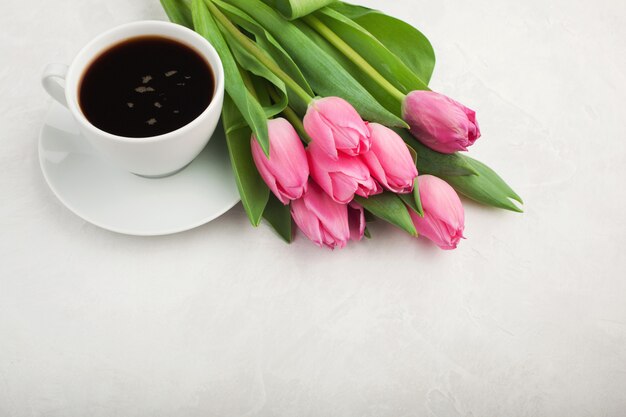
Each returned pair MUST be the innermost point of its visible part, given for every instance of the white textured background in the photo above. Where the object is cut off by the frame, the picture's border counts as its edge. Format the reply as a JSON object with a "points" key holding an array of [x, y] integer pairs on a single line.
{"points": [[526, 318]]}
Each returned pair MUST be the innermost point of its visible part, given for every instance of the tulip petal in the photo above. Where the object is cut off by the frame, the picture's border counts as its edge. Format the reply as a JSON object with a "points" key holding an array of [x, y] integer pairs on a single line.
{"points": [[332, 215], [389, 160], [286, 172], [440, 122], [260, 160], [321, 133], [336, 126], [368, 188], [439, 232], [438, 196], [320, 218], [343, 187], [444, 218], [307, 222], [341, 114], [287, 153], [356, 219], [341, 178]]}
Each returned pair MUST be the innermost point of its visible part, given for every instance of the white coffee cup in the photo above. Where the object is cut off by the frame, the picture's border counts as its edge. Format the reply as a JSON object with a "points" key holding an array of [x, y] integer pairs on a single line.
{"points": [[154, 156]]}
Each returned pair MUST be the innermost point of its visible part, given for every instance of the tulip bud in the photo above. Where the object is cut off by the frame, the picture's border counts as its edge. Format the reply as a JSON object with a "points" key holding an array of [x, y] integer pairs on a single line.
{"points": [[335, 125], [320, 218], [286, 172], [444, 218], [343, 177], [389, 160], [439, 122], [356, 220]]}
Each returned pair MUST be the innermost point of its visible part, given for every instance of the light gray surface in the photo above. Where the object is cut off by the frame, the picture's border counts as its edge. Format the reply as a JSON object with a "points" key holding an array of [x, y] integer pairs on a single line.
{"points": [[526, 318]]}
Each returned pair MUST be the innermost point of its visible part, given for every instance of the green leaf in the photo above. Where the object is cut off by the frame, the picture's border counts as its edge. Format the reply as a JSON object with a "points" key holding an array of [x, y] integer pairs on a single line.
{"points": [[418, 198], [234, 85], [468, 176], [279, 217], [178, 12], [325, 75], [250, 63], [369, 217], [269, 44], [384, 97], [406, 42], [252, 189], [413, 200], [435, 163], [389, 207], [409, 201], [487, 187], [293, 9], [412, 152], [376, 54]]}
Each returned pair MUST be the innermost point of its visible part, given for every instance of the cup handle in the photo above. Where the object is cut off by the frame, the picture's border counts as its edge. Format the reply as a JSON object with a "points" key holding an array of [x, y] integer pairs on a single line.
{"points": [[53, 81]]}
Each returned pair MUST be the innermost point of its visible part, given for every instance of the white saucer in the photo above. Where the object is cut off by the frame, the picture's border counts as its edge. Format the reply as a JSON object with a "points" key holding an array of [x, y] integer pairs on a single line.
{"points": [[122, 202]]}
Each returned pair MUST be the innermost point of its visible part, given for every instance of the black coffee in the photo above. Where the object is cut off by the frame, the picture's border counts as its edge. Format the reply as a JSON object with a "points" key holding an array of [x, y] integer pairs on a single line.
{"points": [[146, 86]]}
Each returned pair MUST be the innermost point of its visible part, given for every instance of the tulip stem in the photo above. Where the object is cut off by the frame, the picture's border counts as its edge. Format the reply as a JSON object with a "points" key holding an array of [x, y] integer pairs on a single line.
{"points": [[293, 118], [257, 52], [353, 56], [291, 115]]}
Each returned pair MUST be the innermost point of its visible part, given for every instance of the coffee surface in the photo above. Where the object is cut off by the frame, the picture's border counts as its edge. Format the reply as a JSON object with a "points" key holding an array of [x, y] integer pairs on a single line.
{"points": [[146, 86]]}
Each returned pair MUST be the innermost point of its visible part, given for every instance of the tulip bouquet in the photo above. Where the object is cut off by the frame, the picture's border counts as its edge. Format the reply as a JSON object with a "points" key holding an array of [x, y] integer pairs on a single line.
{"points": [[328, 119]]}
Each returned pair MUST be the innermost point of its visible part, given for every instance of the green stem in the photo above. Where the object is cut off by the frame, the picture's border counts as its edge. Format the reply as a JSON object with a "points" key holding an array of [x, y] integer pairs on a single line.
{"points": [[293, 118], [353, 56], [291, 115], [257, 52]]}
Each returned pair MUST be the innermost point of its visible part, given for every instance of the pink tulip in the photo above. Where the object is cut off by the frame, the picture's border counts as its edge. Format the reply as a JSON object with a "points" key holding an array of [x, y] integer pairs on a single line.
{"points": [[335, 126], [343, 177], [356, 220], [389, 160], [321, 219], [286, 171], [444, 218], [439, 122]]}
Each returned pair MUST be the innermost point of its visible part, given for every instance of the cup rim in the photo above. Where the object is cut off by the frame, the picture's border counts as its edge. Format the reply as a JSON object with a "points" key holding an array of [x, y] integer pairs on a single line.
{"points": [[213, 60]]}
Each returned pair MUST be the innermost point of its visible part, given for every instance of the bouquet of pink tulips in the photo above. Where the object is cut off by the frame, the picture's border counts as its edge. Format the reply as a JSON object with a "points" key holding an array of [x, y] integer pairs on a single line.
{"points": [[329, 119]]}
